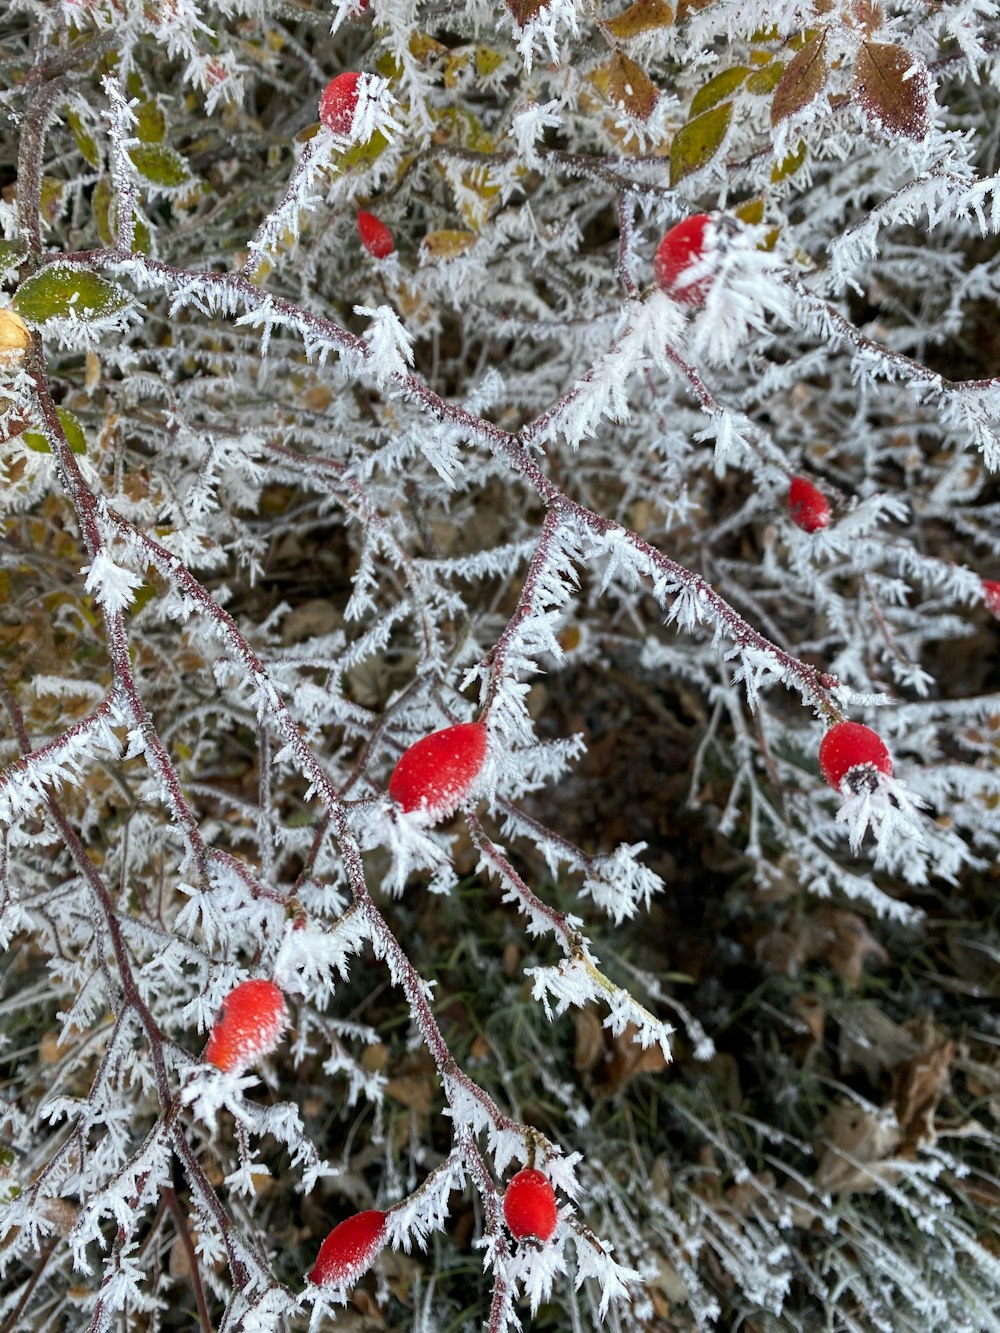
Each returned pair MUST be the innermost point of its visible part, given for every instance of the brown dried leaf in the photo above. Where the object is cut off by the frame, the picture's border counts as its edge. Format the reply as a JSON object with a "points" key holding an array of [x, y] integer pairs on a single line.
{"points": [[918, 1086], [525, 10], [413, 1091], [590, 1047], [802, 81], [842, 940], [606, 1069], [858, 1140], [871, 1041], [867, 15], [893, 98], [641, 16], [631, 87]]}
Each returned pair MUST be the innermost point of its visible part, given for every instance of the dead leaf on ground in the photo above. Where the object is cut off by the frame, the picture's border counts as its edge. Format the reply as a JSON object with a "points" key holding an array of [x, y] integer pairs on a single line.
{"points": [[871, 1041], [607, 1063], [919, 1084], [830, 935], [858, 1140]]}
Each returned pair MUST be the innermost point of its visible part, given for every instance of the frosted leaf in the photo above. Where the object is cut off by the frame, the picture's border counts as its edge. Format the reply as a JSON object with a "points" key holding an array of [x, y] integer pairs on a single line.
{"points": [[111, 585], [528, 125], [390, 347], [595, 1261]]}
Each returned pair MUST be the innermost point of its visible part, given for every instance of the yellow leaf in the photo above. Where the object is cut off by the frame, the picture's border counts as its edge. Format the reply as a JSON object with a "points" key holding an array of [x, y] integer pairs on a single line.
{"points": [[641, 16], [446, 244], [751, 212], [422, 47], [488, 61], [15, 338]]}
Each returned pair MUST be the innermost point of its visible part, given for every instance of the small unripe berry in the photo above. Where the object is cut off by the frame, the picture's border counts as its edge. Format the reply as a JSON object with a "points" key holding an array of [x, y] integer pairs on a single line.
{"points": [[375, 235], [338, 103], [249, 1025], [855, 752], [529, 1205], [682, 246], [350, 1249], [808, 505], [435, 774], [991, 596]]}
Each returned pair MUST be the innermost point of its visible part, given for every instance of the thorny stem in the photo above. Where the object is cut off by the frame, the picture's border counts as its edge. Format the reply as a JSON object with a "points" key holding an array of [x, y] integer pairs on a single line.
{"points": [[194, 1269], [133, 1000]]}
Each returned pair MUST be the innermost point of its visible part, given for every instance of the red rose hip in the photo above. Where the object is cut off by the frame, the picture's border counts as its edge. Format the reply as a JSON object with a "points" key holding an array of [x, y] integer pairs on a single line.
{"points": [[435, 774], [808, 506], [375, 235], [991, 596], [338, 103], [529, 1205], [350, 1249], [682, 246], [853, 752], [248, 1026]]}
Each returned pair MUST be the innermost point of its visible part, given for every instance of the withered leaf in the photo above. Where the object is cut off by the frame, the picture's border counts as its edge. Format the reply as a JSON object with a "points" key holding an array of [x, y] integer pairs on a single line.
{"points": [[867, 14], [802, 81], [641, 16], [631, 87], [525, 10], [858, 1140], [891, 88]]}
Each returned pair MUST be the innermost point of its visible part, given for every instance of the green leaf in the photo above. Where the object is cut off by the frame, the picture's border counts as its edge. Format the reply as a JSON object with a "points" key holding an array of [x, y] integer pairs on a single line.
{"points": [[764, 81], [72, 429], [84, 141], [144, 594], [363, 154], [62, 291], [789, 164], [151, 123], [11, 255], [718, 87], [105, 209], [697, 142], [161, 165], [641, 16]]}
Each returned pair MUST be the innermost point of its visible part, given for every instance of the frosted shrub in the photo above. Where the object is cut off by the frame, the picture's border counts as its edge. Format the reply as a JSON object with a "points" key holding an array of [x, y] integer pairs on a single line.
{"points": [[281, 498]]}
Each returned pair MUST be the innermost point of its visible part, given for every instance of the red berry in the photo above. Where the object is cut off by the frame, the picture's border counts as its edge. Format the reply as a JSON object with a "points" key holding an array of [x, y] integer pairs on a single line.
{"points": [[991, 596], [248, 1025], [375, 235], [809, 506], [436, 773], [336, 106], [350, 1248], [530, 1205], [855, 752], [682, 246]]}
